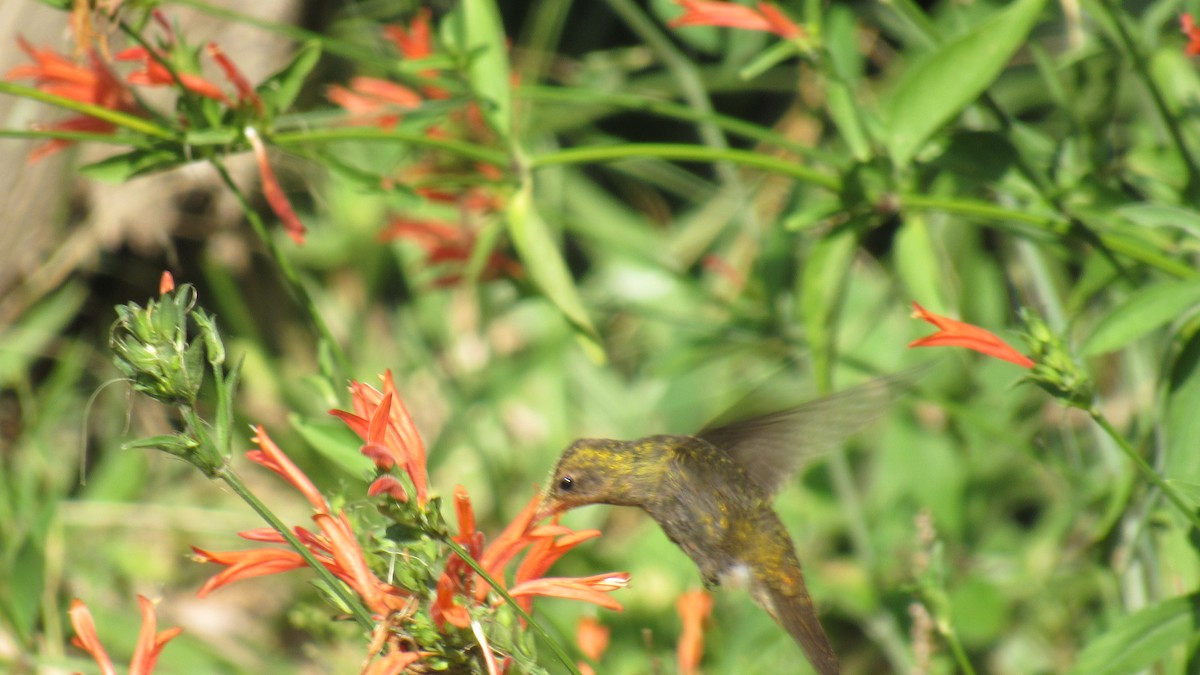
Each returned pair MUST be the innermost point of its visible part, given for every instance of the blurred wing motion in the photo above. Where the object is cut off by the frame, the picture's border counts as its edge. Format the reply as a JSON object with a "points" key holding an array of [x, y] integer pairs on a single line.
{"points": [[792, 608], [771, 447]]}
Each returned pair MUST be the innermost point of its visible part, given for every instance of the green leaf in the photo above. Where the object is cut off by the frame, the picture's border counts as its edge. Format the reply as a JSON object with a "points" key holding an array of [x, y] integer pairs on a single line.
{"points": [[1138, 640], [280, 90], [542, 259], [333, 441], [23, 343], [1189, 491], [940, 86], [917, 261], [120, 168], [1144, 311], [823, 281], [476, 29]]}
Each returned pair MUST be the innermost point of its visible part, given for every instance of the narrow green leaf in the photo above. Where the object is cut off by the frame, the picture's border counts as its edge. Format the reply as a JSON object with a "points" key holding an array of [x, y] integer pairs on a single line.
{"points": [[23, 343], [333, 441], [1189, 491], [545, 264], [476, 29], [940, 86], [120, 168], [1144, 311], [917, 262], [280, 90], [823, 281], [1140, 639]]}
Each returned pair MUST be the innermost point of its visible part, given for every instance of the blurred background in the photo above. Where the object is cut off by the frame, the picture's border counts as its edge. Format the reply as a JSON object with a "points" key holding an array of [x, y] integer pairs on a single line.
{"points": [[1061, 183]]}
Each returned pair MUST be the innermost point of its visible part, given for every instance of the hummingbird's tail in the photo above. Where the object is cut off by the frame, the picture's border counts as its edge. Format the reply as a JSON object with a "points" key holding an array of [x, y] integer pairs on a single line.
{"points": [[788, 602]]}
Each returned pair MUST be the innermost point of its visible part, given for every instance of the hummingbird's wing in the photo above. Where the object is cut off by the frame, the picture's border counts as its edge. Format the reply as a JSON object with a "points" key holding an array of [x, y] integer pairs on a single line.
{"points": [[771, 447]]}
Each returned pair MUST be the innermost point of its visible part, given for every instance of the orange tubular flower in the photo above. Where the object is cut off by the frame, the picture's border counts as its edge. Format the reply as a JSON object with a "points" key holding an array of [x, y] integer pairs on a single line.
{"points": [[390, 437], [445, 243], [765, 17], [273, 191], [413, 42], [149, 645], [694, 608], [370, 99], [335, 547], [155, 74], [952, 333], [245, 565], [592, 637], [54, 74], [546, 545], [1192, 31]]}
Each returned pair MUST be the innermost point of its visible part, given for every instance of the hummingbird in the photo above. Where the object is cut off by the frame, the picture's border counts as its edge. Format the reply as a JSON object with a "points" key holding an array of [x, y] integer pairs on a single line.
{"points": [[711, 493]]}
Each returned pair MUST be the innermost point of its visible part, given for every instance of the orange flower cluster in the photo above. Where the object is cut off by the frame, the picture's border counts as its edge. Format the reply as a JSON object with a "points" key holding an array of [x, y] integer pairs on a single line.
{"points": [[381, 103], [765, 17], [334, 545], [149, 644], [391, 440], [546, 545], [97, 84]]}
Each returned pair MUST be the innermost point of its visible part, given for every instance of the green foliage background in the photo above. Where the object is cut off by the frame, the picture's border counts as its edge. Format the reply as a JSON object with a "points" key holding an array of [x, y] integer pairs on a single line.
{"points": [[976, 157]]}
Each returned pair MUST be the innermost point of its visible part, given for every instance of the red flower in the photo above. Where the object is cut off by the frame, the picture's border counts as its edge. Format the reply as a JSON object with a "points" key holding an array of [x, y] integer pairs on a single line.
{"points": [[1192, 31], [731, 15], [445, 243], [953, 333], [390, 438], [95, 84], [149, 645], [155, 74], [413, 42], [546, 545], [370, 99], [273, 191], [235, 77], [592, 637], [336, 546], [694, 608]]}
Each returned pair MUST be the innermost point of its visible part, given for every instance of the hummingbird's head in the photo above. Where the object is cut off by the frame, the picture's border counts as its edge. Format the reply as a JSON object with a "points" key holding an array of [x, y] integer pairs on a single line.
{"points": [[591, 471]]}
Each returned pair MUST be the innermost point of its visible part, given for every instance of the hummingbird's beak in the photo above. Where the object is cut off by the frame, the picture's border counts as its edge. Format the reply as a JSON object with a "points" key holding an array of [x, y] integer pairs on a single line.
{"points": [[547, 508]]}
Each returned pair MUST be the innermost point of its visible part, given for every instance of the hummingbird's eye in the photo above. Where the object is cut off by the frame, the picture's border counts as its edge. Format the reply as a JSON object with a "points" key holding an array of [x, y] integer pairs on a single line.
{"points": [[566, 484]]}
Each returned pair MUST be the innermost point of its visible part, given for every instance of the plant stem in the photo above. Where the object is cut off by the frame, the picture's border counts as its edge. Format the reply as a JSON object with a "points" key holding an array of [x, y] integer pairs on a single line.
{"points": [[685, 152], [352, 601], [292, 277], [537, 627], [1147, 471], [960, 655], [117, 118]]}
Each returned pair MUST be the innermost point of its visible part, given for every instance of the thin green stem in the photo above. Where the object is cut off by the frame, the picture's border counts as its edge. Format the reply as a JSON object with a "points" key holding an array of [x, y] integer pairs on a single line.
{"points": [[1057, 226], [960, 655], [348, 598], [695, 93], [468, 150], [114, 117], [503, 593], [1142, 68], [684, 152], [291, 276], [1172, 494], [672, 110], [77, 137]]}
